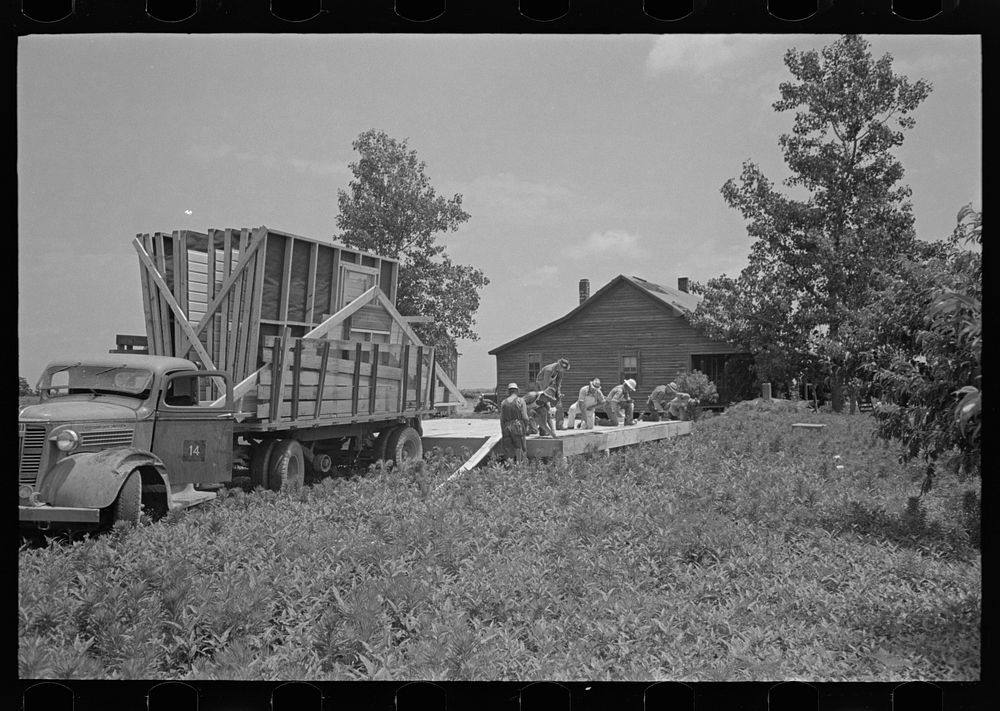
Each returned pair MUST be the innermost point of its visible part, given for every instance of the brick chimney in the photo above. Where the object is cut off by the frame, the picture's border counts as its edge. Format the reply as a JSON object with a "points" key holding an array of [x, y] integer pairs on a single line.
{"points": [[584, 290], [682, 284]]}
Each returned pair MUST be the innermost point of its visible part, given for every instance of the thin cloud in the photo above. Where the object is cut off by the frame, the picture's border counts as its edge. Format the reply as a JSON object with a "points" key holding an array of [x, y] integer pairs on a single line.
{"points": [[610, 243], [206, 154], [701, 54], [524, 200], [539, 276], [321, 167]]}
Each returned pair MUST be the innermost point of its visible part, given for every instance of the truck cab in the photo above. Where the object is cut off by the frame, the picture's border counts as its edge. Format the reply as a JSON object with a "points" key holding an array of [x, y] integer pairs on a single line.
{"points": [[117, 433]]}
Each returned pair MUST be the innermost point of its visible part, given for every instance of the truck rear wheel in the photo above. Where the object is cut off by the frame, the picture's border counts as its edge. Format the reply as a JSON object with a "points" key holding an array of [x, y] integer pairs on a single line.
{"points": [[128, 504], [403, 444], [288, 466], [322, 464], [260, 460]]}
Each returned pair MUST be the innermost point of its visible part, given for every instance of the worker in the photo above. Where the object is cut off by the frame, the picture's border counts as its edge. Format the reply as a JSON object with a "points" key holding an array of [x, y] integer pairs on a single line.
{"points": [[656, 403], [620, 400], [542, 414], [550, 395], [589, 399], [678, 408], [514, 425], [529, 401]]}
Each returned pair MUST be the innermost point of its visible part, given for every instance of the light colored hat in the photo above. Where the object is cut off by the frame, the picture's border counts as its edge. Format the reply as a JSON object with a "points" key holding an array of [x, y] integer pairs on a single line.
{"points": [[672, 386], [512, 386], [630, 383]]}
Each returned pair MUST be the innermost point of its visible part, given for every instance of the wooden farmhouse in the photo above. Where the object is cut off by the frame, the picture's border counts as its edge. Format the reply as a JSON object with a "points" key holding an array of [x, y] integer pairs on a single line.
{"points": [[630, 328]]}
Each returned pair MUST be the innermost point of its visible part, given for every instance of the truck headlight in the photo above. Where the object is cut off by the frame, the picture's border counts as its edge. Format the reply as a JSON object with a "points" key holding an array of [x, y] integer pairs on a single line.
{"points": [[67, 440]]}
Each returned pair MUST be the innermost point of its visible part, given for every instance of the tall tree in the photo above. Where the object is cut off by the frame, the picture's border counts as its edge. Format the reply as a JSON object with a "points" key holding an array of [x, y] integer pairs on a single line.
{"points": [[814, 261], [391, 208]]}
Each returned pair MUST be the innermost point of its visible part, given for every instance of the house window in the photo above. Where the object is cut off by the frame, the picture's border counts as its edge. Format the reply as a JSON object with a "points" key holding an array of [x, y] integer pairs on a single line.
{"points": [[534, 366], [629, 367]]}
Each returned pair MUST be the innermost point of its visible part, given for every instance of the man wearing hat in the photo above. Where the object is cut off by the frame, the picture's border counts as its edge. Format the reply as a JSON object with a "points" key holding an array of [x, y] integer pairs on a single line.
{"points": [[656, 403], [590, 398], [620, 399], [677, 409], [514, 424], [549, 395]]}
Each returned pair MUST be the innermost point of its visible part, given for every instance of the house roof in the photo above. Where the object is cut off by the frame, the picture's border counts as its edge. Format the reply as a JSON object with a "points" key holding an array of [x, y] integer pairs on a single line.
{"points": [[678, 301]]}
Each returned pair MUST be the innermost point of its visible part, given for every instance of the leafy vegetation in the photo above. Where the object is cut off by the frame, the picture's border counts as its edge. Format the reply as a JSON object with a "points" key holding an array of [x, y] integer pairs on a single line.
{"points": [[700, 388], [927, 369], [748, 550], [697, 385], [816, 261]]}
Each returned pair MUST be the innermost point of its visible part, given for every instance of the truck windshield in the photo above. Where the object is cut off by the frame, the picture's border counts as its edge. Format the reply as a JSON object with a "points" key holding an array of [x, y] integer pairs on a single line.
{"points": [[95, 379]]}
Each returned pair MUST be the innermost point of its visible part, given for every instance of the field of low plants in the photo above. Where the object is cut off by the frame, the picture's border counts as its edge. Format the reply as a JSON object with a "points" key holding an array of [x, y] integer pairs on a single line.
{"points": [[746, 551]]}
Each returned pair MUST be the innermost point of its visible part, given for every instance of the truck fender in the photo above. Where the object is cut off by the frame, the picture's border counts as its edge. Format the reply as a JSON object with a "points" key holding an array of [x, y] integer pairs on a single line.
{"points": [[93, 479]]}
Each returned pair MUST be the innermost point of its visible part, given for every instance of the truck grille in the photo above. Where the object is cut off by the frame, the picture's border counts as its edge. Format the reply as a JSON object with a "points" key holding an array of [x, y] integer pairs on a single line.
{"points": [[33, 440], [106, 438], [32, 445]]}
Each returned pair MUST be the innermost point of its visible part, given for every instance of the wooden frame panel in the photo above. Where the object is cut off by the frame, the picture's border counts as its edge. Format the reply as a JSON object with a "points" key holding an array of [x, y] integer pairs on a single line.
{"points": [[235, 302], [311, 283], [175, 256], [242, 316], [223, 304], [357, 379], [253, 349], [286, 279], [324, 364], [210, 292], [166, 335], [150, 302]]}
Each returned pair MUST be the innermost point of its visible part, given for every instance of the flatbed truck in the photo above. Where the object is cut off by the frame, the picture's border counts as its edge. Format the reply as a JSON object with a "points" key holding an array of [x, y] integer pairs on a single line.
{"points": [[264, 348]]}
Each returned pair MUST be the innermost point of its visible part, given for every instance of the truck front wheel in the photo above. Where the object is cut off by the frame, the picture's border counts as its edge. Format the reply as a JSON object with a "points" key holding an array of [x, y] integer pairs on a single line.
{"points": [[128, 504], [287, 467]]}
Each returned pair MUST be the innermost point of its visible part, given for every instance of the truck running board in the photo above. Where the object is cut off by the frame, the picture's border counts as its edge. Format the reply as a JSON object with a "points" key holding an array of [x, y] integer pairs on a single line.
{"points": [[188, 497]]}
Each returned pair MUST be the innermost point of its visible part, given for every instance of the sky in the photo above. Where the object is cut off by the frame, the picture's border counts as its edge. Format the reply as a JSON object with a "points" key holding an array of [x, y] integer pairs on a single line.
{"points": [[577, 156]]}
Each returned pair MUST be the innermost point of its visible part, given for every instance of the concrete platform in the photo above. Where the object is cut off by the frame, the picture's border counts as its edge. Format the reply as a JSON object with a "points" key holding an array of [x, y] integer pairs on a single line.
{"points": [[471, 435]]}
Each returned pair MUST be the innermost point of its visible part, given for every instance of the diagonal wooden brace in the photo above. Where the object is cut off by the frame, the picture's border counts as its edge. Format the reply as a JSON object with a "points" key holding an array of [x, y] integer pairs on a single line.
{"points": [[179, 314]]}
